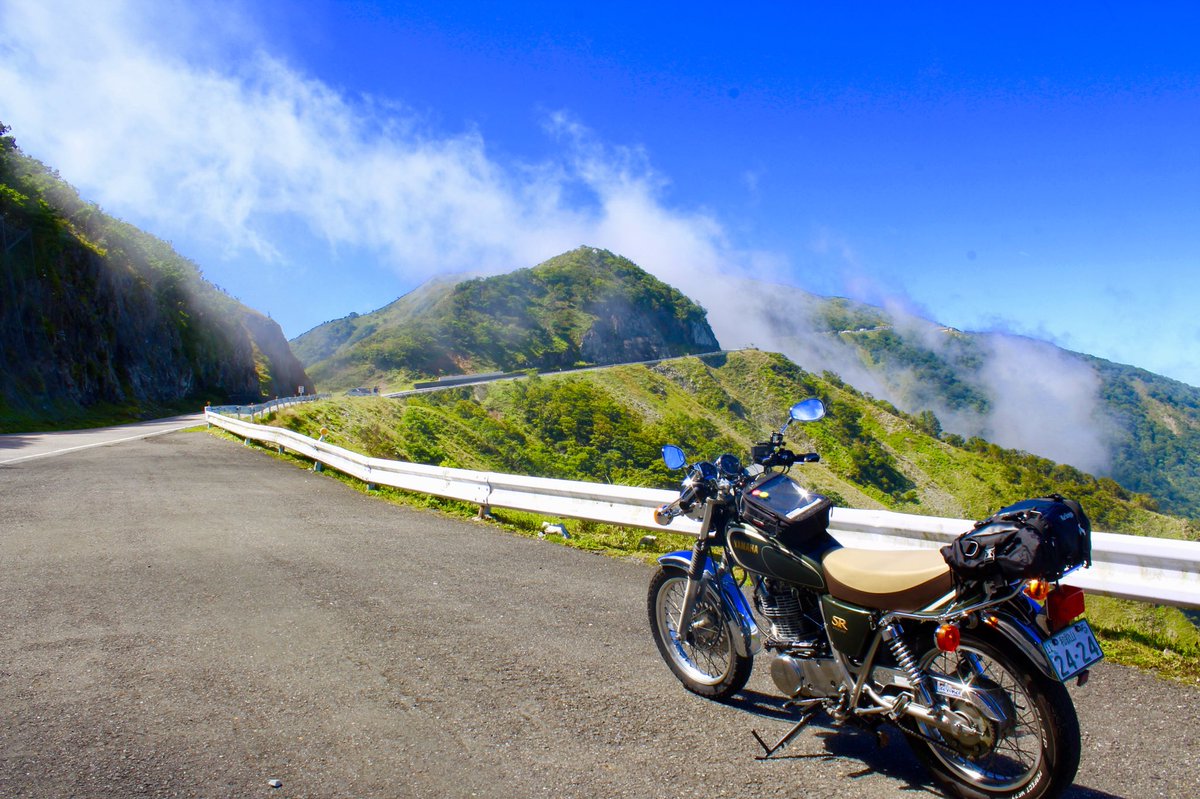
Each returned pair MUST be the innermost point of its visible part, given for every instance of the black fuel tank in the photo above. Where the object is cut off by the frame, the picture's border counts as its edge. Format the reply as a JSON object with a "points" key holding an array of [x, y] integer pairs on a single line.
{"points": [[757, 552]]}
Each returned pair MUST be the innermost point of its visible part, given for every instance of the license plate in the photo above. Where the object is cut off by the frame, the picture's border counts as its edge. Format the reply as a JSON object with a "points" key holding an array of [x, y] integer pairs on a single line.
{"points": [[1072, 650]]}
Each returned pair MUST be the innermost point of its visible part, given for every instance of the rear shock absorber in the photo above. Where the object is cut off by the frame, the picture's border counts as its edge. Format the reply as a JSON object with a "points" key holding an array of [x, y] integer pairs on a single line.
{"points": [[908, 663]]}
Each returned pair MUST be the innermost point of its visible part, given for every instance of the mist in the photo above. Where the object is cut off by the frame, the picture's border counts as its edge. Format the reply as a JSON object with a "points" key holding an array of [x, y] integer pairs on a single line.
{"points": [[1040, 398]]}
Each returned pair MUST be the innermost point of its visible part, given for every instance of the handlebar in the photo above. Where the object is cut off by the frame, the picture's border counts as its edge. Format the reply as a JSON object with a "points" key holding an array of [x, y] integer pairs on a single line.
{"points": [[664, 514], [766, 455], [784, 457]]}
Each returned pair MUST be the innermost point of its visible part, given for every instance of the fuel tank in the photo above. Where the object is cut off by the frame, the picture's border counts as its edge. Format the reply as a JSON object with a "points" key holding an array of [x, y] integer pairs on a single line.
{"points": [[757, 552]]}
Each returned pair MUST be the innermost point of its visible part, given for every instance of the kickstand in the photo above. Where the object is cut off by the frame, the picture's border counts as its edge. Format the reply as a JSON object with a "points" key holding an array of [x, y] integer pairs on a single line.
{"points": [[782, 743]]}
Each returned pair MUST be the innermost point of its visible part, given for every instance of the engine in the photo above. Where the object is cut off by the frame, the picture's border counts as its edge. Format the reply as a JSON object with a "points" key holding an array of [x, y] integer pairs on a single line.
{"points": [[794, 614]]}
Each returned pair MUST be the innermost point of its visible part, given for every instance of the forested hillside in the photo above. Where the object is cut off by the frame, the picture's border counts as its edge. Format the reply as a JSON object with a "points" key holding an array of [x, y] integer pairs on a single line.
{"points": [[102, 322], [584, 307], [1139, 428], [608, 426]]}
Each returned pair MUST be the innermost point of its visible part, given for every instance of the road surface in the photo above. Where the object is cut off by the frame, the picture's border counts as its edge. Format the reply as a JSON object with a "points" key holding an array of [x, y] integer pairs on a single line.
{"points": [[185, 616]]}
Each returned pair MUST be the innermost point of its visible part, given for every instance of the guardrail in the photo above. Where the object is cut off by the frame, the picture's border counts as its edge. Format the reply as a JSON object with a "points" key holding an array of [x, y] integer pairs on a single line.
{"points": [[1158, 570], [262, 408]]}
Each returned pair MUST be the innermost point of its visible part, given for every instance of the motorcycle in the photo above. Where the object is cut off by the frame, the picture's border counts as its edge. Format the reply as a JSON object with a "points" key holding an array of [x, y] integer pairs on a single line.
{"points": [[972, 670]]}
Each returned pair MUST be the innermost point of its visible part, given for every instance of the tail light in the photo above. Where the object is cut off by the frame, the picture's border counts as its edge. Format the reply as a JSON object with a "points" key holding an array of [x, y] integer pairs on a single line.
{"points": [[1063, 606]]}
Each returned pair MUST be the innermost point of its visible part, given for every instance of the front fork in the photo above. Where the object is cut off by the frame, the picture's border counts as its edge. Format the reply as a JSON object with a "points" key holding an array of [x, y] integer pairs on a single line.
{"points": [[695, 574], [700, 569]]}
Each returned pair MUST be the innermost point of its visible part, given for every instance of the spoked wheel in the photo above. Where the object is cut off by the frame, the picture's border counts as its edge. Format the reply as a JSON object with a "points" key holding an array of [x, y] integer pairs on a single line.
{"points": [[1033, 756], [704, 659]]}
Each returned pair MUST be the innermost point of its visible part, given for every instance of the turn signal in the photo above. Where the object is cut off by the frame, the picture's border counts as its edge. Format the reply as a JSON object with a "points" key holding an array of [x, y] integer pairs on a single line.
{"points": [[947, 638], [1063, 606], [1038, 590]]}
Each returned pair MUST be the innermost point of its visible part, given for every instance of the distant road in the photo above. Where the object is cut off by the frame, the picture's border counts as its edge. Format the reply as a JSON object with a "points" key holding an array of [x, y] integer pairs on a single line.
{"points": [[187, 617], [16, 447], [463, 381]]}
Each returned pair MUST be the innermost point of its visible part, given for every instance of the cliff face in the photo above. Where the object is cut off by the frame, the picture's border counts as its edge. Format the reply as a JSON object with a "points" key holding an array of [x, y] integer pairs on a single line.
{"points": [[622, 334], [94, 312]]}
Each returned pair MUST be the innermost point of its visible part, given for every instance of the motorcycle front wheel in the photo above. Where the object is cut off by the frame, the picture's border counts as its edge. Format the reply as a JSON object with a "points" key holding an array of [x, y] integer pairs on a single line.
{"points": [[704, 659], [1035, 757]]}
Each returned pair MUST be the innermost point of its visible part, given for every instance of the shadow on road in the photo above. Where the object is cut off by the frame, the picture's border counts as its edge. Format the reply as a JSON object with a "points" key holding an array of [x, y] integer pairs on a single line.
{"points": [[14, 440], [889, 756]]}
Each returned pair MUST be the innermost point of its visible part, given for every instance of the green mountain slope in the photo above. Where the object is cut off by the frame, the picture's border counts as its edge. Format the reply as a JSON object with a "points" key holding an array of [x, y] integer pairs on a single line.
{"points": [[103, 322], [586, 306], [1139, 428], [608, 426]]}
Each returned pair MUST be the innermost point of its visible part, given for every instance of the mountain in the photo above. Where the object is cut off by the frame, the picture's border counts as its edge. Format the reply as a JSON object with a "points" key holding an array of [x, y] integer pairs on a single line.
{"points": [[584, 307], [1134, 427], [102, 322], [1110, 419]]}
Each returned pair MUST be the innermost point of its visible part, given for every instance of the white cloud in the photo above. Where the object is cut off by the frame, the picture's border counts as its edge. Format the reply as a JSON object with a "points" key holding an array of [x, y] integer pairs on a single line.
{"points": [[154, 117]]}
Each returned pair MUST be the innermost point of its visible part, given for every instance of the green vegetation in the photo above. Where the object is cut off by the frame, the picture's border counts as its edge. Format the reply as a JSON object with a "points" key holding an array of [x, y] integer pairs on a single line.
{"points": [[1158, 445], [584, 307], [1161, 639], [608, 426], [105, 323]]}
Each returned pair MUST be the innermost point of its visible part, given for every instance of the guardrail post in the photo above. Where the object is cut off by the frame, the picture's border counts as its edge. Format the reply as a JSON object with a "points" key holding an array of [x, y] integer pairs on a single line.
{"points": [[317, 465]]}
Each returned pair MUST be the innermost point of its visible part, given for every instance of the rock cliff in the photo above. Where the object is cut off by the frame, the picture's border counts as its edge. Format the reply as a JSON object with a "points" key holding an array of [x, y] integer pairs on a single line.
{"points": [[97, 314]]}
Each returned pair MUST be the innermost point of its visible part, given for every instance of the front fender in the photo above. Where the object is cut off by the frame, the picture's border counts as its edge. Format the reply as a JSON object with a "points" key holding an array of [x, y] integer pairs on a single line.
{"points": [[743, 630]]}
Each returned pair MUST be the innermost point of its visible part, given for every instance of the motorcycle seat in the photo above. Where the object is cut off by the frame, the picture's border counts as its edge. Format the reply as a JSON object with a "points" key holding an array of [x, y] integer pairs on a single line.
{"points": [[888, 579]]}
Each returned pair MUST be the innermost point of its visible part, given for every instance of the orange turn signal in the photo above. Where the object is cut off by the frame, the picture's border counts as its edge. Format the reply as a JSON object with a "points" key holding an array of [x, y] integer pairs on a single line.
{"points": [[947, 637], [1038, 590]]}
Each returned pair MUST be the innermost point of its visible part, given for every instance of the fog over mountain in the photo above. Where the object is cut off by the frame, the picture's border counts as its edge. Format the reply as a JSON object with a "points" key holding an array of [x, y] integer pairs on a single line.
{"points": [[1109, 419]]}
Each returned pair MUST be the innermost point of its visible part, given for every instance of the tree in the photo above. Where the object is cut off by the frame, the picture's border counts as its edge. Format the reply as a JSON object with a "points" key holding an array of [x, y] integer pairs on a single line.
{"points": [[928, 423]]}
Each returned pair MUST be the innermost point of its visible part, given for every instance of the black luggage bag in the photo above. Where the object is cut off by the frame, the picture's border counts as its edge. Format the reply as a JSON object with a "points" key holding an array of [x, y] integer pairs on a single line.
{"points": [[1043, 538]]}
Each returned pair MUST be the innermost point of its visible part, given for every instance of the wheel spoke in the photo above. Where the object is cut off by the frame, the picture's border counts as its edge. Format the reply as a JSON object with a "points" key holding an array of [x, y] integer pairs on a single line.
{"points": [[1014, 757], [708, 656]]}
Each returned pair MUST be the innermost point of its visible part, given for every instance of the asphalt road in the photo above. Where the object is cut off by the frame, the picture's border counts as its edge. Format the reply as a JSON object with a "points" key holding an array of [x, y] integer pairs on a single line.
{"points": [[185, 616], [17, 447]]}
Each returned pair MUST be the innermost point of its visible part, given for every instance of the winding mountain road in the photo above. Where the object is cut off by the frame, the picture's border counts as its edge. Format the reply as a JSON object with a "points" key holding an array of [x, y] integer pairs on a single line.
{"points": [[187, 617]]}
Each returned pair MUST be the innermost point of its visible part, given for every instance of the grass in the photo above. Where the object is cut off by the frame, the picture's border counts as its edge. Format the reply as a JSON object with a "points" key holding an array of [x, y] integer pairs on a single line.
{"points": [[1158, 639]]}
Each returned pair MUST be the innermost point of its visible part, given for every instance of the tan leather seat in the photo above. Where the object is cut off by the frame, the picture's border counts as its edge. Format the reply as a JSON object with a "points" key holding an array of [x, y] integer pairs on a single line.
{"points": [[888, 579]]}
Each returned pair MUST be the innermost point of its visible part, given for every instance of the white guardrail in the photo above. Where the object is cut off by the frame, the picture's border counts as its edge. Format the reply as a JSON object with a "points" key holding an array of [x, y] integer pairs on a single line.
{"points": [[1159, 570]]}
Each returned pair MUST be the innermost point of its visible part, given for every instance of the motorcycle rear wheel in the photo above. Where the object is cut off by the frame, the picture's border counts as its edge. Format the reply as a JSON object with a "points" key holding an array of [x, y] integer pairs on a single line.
{"points": [[1036, 759], [708, 664]]}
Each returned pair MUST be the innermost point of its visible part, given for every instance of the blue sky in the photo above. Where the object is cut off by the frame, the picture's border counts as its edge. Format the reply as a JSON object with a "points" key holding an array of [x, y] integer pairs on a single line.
{"points": [[1025, 167]]}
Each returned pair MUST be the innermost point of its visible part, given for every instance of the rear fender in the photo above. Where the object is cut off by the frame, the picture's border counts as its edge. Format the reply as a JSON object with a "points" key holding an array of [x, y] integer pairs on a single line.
{"points": [[744, 632], [1015, 625]]}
